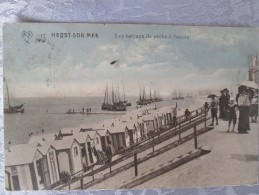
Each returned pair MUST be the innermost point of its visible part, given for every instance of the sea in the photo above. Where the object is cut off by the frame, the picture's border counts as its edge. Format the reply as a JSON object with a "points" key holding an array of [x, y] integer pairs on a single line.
{"points": [[48, 115]]}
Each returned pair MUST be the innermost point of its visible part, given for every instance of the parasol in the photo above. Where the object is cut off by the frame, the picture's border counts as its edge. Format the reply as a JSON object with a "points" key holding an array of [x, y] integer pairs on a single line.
{"points": [[212, 96], [250, 84]]}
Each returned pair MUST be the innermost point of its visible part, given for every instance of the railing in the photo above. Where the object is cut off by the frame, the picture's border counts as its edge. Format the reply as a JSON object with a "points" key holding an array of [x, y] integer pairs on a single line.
{"points": [[182, 121]]}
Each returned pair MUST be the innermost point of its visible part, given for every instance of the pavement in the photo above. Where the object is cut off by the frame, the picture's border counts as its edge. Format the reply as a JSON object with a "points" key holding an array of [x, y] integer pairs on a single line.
{"points": [[152, 164], [232, 161]]}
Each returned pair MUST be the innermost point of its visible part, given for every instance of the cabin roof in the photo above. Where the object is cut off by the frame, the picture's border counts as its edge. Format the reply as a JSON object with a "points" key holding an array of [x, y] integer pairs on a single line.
{"points": [[130, 125], [80, 137], [91, 134], [149, 117], [119, 127], [63, 144], [44, 148], [102, 132], [20, 154]]}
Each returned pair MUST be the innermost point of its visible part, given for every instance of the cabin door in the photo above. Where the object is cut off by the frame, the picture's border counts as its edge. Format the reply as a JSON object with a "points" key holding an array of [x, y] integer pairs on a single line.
{"points": [[16, 183], [131, 136], [53, 166], [46, 172], [90, 152], [84, 159], [43, 171]]}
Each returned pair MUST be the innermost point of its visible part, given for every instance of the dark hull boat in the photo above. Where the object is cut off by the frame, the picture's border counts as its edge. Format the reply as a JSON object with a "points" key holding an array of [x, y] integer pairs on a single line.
{"points": [[116, 105], [12, 109], [178, 96]]}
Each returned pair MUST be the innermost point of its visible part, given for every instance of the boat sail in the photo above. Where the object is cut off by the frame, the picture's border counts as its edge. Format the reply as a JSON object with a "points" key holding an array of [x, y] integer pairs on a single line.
{"points": [[142, 97], [12, 109], [124, 100], [117, 104], [178, 96], [143, 100]]}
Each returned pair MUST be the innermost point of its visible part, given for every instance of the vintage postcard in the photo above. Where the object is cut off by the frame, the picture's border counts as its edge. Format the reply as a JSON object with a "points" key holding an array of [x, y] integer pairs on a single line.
{"points": [[115, 106]]}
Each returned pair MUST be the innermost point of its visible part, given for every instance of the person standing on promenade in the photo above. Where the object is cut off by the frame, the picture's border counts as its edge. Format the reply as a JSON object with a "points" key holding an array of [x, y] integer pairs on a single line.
{"points": [[244, 109], [214, 110], [226, 103], [222, 104], [254, 109], [231, 109]]}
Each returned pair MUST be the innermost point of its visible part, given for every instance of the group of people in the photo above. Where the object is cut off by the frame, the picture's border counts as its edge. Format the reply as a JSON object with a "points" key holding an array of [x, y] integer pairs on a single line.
{"points": [[246, 102]]}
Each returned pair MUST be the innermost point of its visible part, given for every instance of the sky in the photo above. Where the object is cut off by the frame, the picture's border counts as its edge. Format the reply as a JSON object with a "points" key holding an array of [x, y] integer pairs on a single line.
{"points": [[205, 58]]}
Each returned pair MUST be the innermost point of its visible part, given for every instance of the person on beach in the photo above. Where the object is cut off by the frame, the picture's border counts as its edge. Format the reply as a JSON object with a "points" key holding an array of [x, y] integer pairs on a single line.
{"points": [[231, 110], [244, 109], [214, 111]]}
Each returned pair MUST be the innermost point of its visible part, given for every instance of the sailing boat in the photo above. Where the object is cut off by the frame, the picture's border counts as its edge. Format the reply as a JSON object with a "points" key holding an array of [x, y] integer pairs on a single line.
{"points": [[125, 101], [116, 103], [12, 109], [177, 97], [142, 97]]}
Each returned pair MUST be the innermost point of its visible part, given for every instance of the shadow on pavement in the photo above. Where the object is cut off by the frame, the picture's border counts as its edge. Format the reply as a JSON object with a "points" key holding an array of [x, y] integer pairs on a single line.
{"points": [[244, 157]]}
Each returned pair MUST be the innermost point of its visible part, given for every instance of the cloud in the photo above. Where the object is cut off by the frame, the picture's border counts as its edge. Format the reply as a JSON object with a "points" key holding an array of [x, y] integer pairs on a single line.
{"points": [[205, 60], [226, 38]]}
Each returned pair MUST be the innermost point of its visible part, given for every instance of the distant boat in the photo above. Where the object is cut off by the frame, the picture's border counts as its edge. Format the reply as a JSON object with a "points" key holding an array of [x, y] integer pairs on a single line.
{"points": [[143, 100], [125, 101], [12, 109], [117, 104], [142, 97], [178, 96]]}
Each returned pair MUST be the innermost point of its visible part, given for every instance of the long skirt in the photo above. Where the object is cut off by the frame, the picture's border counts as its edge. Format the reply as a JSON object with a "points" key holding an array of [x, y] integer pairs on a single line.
{"points": [[243, 122], [253, 110]]}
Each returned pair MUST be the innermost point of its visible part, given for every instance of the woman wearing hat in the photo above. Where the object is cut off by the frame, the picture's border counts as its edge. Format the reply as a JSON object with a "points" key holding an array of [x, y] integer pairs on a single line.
{"points": [[244, 109]]}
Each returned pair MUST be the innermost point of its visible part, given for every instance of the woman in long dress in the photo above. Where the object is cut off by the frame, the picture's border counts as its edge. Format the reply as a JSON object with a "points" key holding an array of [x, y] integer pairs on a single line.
{"points": [[244, 110]]}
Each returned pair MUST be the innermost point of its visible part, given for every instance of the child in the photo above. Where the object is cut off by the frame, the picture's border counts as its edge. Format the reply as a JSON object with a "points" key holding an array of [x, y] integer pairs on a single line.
{"points": [[214, 110], [231, 109]]}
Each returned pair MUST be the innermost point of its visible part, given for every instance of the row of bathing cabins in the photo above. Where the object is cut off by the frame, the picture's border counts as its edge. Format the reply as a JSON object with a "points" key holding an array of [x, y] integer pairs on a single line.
{"points": [[41, 162]]}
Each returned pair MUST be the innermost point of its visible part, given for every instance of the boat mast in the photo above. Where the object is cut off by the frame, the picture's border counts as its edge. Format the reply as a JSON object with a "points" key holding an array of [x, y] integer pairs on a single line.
{"points": [[105, 94], [123, 93], [150, 96], [7, 93], [119, 92], [112, 94]]}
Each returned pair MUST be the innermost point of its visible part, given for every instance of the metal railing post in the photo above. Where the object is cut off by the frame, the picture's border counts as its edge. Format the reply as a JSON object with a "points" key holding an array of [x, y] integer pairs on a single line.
{"points": [[136, 163], [81, 183], [153, 144], [205, 114], [93, 173], [195, 137]]}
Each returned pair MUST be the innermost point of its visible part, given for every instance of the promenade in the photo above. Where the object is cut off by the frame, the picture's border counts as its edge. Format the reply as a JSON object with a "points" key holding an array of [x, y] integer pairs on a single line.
{"points": [[232, 161]]}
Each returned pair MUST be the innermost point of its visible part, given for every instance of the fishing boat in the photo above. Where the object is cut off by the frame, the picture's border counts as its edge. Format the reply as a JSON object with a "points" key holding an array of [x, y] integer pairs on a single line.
{"points": [[126, 103], [12, 108], [142, 97], [117, 104], [178, 96], [157, 97]]}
